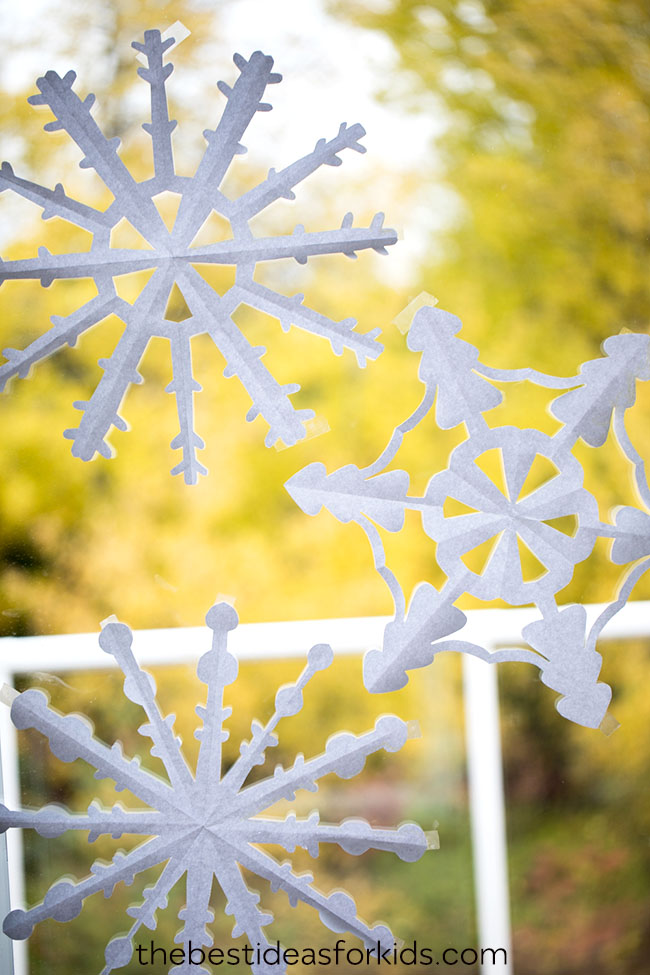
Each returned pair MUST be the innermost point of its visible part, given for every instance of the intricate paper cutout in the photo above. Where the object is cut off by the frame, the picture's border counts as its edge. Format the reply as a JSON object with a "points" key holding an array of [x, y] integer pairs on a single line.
{"points": [[171, 255], [204, 825], [559, 643]]}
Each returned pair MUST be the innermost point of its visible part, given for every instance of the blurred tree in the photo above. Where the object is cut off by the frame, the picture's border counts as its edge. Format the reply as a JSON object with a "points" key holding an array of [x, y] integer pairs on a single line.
{"points": [[548, 134]]}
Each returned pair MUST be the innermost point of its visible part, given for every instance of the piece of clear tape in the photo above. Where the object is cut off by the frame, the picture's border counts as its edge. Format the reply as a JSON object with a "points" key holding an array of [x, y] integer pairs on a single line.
{"points": [[315, 427], [404, 319], [177, 30]]}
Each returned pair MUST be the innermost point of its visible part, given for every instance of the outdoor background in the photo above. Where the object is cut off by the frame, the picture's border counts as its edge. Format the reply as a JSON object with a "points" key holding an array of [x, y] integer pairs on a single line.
{"points": [[508, 141]]}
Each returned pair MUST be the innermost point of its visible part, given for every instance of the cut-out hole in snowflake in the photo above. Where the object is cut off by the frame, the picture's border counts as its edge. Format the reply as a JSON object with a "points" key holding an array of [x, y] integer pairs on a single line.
{"points": [[510, 515], [131, 235], [206, 825]]}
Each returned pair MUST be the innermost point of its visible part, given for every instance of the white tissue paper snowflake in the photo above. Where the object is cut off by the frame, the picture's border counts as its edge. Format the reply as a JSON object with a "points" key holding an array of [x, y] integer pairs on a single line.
{"points": [[172, 256], [548, 513], [206, 825]]}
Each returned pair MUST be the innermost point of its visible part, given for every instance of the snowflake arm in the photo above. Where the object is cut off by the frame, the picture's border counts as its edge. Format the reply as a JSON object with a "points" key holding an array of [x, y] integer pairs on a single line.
{"points": [[242, 905], [291, 311], [399, 433], [196, 915], [183, 385], [348, 495], [116, 639], [101, 410], [280, 185], [355, 836], [54, 821], [56, 203], [527, 375], [155, 897], [161, 126], [288, 701], [337, 910], [64, 331], [64, 901], [605, 384], [244, 99], [270, 400], [624, 593], [300, 244], [345, 755], [119, 951], [217, 668], [71, 737], [74, 116], [632, 455], [448, 364], [86, 264], [379, 559]]}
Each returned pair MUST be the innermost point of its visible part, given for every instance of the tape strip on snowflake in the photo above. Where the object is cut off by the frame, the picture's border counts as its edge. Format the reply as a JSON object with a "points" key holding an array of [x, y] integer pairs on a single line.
{"points": [[559, 642], [172, 256], [206, 825]]}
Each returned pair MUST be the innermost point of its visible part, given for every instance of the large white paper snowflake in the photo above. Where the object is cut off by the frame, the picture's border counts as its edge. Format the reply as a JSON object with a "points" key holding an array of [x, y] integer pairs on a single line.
{"points": [[172, 256], [552, 515], [206, 825]]}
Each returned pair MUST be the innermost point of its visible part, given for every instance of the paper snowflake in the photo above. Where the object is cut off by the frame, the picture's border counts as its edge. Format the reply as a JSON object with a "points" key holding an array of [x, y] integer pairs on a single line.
{"points": [[206, 825], [554, 517], [172, 256]]}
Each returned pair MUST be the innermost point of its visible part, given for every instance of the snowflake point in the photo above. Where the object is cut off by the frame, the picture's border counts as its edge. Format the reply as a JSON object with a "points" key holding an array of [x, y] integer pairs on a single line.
{"points": [[222, 616], [17, 926], [321, 656]]}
